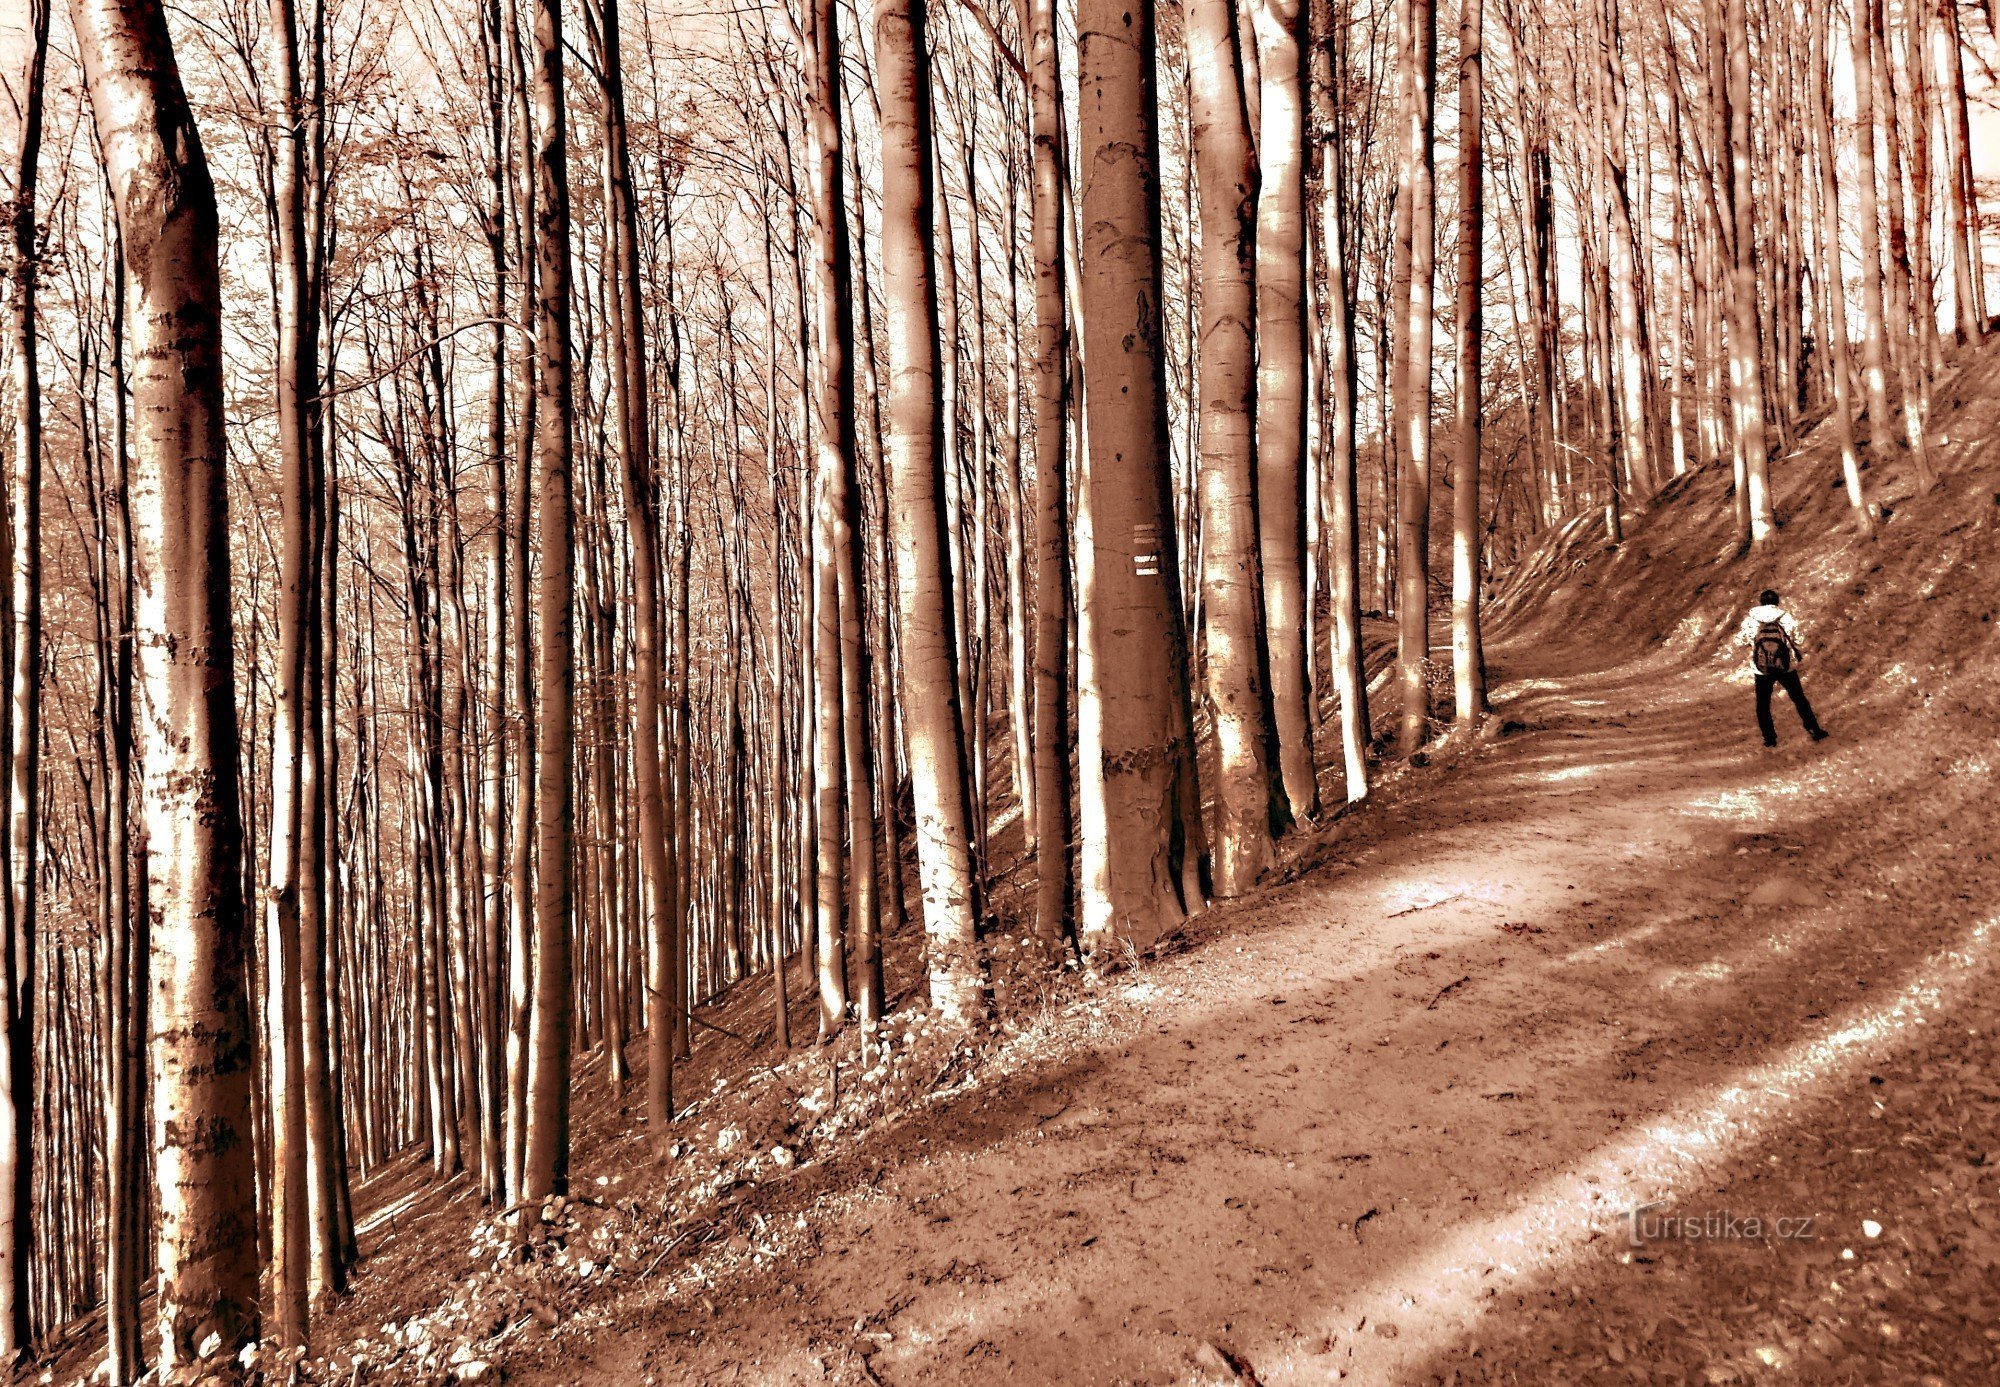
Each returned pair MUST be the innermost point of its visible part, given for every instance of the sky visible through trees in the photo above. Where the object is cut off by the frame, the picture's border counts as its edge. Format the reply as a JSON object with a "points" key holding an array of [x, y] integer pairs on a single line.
{"points": [[524, 515]]}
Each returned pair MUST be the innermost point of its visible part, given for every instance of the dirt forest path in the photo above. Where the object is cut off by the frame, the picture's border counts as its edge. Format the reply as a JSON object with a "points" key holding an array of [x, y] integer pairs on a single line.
{"points": [[1385, 1123]]}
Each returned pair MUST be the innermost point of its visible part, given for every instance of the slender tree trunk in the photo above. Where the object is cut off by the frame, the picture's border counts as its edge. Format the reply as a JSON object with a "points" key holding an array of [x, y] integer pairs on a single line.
{"points": [[1834, 284], [1467, 647], [1745, 371], [1250, 800], [932, 715], [635, 447], [1054, 883], [1876, 365], [834, 444], [545, 1169], [207, 1297], [521, 868], [1280, 327], [1350, 678], [125, 925], [1411, 302], [298, 605], [17, 969], [1962, 197]]}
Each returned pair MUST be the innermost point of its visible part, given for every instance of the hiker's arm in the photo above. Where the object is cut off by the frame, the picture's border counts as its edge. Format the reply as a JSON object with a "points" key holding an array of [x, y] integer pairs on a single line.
{"points": [[1792, 630]]}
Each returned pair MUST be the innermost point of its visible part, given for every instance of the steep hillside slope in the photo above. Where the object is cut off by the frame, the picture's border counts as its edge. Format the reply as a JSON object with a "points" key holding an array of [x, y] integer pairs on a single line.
{"points": [[1390, 1119]]}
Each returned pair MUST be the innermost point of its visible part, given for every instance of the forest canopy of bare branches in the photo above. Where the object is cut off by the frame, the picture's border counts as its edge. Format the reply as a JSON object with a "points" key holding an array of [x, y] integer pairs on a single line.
{"points": [[525, 518]]}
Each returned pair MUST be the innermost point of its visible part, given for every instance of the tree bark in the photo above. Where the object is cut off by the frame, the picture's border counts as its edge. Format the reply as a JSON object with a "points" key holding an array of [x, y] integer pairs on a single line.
{"points": [[1136, 879], [1467, 646], [1249, 801], [1411, 382], [932, 715], [545, 1169], [1280, 326], [207, 1300], [1745, 371], [635, 448], [1054, 882], [17, 968], [1341, 478]]}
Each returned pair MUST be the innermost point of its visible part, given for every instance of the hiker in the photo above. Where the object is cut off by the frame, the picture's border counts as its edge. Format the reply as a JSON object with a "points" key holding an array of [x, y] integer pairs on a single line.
{"points": [[1775, 656]]}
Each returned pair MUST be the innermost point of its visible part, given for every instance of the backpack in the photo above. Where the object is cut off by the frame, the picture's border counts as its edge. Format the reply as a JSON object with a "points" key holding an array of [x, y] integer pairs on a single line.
{"points": [[1772, 652]]}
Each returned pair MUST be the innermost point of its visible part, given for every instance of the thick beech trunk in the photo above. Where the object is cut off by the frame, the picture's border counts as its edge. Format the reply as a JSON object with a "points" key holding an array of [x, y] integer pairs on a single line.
{"points": [[1137, 875], [207, 1294]]}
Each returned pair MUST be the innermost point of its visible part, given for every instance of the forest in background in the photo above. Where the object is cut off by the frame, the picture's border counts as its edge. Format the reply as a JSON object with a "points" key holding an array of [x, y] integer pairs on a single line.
{"points": [[520, 517]]}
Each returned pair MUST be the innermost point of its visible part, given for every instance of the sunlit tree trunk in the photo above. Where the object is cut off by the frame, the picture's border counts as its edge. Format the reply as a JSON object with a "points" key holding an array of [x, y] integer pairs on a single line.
{"points": [[833, 444], [1280, 403], [207, 1292], [1906, 356], [1634, 351], [1833, 287], [1350, 679], [1962, 194], [932, 716], [1875, 362], [1411, 302], [298, 605], [521, 865], [1248, 798], [125, 930], [1745, 371]]}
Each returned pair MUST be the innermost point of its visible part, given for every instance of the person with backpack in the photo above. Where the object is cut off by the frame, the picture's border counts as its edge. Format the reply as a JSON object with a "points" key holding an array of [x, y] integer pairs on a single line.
{"points": [[1775, 656]]}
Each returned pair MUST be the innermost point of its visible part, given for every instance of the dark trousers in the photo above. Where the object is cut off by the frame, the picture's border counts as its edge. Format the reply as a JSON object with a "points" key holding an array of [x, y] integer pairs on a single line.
{"points": [[1788, 679]]}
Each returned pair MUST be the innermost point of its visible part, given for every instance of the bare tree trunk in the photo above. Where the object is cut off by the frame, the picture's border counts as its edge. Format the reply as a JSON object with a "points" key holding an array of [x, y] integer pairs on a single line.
{"points": [[1250, 800], [1411, 383], [1634, 350], [17, 968], [1467, 647], [1054, 884], [298, 606], [207, 1302], [1876, 364], [1350, 679], [1745, 371], [1138, 880], [932, 714], [1280, 402], [545, 1170], [521, 868], [125, 923], [1905, 356], [642, 491], [1962, 197], [1833, 286], [834, 444]]}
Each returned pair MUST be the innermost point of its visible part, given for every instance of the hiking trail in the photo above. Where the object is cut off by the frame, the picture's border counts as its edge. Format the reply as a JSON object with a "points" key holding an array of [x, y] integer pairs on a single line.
{"points": [[1389, 1121]]}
